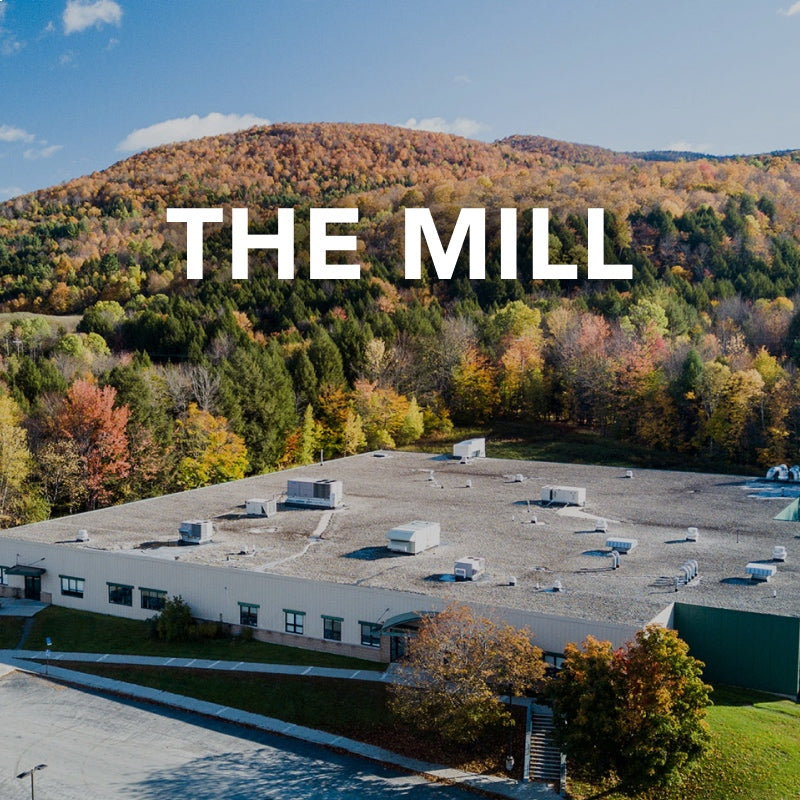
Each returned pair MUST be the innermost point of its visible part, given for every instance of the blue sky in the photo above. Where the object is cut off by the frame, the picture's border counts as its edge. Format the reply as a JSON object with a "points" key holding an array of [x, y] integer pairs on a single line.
{"points": [[85, 83]]}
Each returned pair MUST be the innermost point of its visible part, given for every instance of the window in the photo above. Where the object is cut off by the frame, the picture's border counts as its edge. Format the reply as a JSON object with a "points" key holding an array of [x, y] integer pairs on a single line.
{"points": [[73, 587], [370, 634], [120, 595], [332, 628], [294, 620], [153, 599], [248, 614]]}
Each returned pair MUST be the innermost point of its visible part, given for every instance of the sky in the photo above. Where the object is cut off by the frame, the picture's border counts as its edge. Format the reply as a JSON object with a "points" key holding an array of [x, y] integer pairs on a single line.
{"points": [[86, 83]]}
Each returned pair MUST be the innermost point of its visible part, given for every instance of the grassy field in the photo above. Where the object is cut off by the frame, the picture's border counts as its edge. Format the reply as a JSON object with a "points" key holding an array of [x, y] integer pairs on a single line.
{"points": [[755, 753], [81, 631], [10, 631], [356, 709], [755, 737], [69, 322], [537, 441]]}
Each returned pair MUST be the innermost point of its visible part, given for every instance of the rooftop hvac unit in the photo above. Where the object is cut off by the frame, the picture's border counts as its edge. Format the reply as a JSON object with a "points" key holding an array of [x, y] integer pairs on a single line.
{"points": [[470, 448], [692, 535], [794, 473], [196, 532], [564, 495], [621, 545], [601, 525], [83, 535], [323, 493], [413, 537], [779, 553], [469, 568], [261, 508], [760, 572]]}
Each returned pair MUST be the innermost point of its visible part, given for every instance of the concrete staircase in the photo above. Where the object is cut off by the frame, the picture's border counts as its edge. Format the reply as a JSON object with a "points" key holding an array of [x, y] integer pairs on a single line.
{"points": [[545, 756]]}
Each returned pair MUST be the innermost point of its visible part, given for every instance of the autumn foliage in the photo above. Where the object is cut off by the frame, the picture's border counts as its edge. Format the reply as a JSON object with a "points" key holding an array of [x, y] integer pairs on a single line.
{"points": [[635, 714], [456, 669]]}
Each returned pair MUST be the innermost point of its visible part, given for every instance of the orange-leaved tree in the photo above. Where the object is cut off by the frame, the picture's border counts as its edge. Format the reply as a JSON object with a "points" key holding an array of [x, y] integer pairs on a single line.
{"points": [[89, 419], [636, 713], [456, 669]]}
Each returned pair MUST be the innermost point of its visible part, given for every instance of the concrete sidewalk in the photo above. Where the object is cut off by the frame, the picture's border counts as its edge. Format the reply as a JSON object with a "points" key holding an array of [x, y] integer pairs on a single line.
{"points": [[491, 785]]}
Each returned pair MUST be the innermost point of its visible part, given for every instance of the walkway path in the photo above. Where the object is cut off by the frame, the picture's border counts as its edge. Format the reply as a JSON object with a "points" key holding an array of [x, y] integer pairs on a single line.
{"points": [[491, 785]]}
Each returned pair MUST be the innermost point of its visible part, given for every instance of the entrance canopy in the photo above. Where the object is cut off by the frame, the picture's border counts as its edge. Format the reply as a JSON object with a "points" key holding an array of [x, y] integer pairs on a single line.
{"points": [[26, 571]]}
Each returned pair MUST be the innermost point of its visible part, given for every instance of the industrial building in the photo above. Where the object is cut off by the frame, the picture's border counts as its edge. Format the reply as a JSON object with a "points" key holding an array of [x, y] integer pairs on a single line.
{"points": [[324, 575]]}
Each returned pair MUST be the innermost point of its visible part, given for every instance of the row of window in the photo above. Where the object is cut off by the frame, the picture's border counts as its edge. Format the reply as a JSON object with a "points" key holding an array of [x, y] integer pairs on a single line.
{"points": [[121, 594], [294, 622]]}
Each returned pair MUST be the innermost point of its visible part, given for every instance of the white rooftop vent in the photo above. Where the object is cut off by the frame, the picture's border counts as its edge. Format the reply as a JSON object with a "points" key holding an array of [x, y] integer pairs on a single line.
{"points": [[261, 508], [601, 525], [692, 534], [557, 586], [628, 473], [512, 581], [83, 535], [779, 553], [760, 572], [621, 545], [196, 531], [519, 478], [469, 568]]}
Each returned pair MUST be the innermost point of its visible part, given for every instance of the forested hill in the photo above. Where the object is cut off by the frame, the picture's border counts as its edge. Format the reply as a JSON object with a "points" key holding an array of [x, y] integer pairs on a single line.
{"points": [[203, 380]]}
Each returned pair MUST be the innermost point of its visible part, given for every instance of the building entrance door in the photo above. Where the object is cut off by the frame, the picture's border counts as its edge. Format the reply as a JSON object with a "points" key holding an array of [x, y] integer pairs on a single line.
{"points": [[33, 587]]}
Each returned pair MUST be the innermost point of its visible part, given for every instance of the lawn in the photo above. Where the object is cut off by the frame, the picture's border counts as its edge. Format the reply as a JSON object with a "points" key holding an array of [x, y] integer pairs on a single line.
{"points": [[351, 708], [10, 631], [755, 753], [755, 749], [545, 441], [84, 632]]}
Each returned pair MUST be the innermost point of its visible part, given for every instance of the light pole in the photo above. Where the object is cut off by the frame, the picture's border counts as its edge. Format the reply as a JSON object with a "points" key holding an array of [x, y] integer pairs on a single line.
{"points": [[30, 772]]}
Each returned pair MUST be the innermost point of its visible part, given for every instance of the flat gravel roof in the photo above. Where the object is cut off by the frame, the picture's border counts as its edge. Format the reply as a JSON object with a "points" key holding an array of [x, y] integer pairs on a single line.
{"points": [[484, 511]]}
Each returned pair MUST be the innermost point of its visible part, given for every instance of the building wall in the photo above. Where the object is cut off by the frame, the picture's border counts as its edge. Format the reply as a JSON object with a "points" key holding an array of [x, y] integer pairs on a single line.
{"points": [[743, 648], [214, 593]]}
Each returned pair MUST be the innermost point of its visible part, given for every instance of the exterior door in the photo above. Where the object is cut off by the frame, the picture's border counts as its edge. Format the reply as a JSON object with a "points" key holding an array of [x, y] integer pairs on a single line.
{"points": [[33, 588]]}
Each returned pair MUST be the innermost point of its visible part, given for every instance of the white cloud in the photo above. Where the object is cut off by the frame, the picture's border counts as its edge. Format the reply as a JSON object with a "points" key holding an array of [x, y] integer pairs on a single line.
{"points": [[10, 134], [7, 192], [792, 10], [35, 153], [460, 126], [462, 79], [80, 15], [183, 128]]}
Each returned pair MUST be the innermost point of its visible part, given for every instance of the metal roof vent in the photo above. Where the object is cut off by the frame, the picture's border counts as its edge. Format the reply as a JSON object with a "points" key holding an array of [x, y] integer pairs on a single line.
{"points": [[779, 553], [692, 535], [628, 473], [601, 525], [83, 535], [557, 586]]}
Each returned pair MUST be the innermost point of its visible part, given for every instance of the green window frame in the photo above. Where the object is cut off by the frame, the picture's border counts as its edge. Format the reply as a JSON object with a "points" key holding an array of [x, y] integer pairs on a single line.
{"points": [[248, 614], [332, 628], [72, 586], [153, 599], [294, 621], [120, 594], [370, 634]]}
